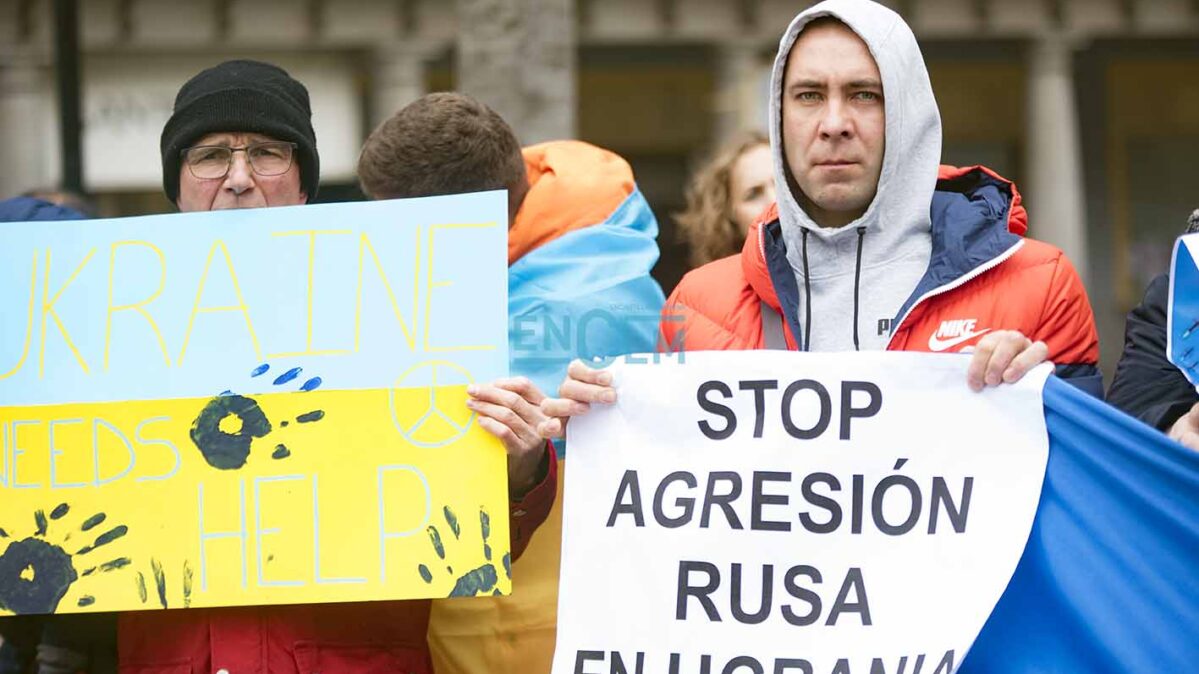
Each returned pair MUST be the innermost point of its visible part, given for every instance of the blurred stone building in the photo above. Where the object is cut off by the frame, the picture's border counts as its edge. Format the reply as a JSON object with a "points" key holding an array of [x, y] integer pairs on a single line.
{"points": [[1091, 106]]}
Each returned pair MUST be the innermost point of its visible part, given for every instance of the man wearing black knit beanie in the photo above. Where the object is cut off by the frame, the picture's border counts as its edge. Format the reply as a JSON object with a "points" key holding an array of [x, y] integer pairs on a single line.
{"points": [[240, 136]]}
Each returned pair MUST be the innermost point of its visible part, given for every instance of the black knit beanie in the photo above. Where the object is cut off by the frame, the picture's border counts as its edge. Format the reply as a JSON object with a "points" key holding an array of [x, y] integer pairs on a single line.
{"points": [[240, 96]]}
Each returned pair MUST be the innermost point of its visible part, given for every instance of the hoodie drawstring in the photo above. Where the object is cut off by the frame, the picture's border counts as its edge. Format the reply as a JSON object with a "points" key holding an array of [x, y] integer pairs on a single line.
{"points": [[857, 282], [807, 286]]}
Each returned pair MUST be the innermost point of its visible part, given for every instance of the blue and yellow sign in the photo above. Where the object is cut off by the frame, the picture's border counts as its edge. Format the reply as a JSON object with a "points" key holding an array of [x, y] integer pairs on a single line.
{"points": [[252, 407]]}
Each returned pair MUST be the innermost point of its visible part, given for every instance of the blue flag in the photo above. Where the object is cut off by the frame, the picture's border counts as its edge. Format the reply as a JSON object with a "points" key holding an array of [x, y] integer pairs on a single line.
{"points": [[1109, 580]]}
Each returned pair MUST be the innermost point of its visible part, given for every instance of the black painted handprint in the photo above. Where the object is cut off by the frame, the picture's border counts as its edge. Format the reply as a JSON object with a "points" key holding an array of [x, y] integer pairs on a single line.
{"points": [[35, 573], [160, 583], [480, 581], [230, 423]]}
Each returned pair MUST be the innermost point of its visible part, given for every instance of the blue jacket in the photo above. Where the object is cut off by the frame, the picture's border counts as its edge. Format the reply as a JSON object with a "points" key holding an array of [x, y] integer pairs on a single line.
{"points": [[27, 209]]}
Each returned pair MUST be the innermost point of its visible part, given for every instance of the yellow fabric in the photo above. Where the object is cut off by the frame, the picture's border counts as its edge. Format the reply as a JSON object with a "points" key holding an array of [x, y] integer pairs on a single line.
{"points": [[506, 635]]}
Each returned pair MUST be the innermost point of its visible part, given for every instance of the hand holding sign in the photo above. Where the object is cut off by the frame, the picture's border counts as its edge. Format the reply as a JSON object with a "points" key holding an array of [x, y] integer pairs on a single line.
{"points": [[1003, 357], [510, 410], [1185, 431], [583, 385]]}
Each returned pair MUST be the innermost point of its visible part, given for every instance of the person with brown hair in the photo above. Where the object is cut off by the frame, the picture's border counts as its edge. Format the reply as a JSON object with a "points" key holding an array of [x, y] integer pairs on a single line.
{"points": [[581, 237], [725, 197], [581, 243], [443, 143]]}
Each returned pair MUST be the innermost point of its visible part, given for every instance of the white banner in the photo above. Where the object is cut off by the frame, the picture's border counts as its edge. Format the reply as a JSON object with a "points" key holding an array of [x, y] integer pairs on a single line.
{"points": [[784, 513]]}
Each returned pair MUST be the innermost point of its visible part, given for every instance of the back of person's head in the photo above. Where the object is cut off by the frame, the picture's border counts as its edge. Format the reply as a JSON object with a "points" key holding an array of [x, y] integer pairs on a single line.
{"points": [[241, 96], [443, 143], [709, 225], [31, 209]]}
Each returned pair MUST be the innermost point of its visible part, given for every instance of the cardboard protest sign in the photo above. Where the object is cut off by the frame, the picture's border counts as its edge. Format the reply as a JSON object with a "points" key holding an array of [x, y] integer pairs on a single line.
{"points": [[1182, 315], [252, 407], [790, 512]]}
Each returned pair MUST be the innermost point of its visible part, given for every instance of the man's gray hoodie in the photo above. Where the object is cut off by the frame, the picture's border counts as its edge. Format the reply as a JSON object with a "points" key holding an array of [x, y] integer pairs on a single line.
{"points": [[894, 232]]}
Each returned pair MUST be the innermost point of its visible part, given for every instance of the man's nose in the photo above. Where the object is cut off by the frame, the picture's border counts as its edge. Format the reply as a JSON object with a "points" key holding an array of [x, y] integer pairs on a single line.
{"points": [[836, 121], [240, 177]]}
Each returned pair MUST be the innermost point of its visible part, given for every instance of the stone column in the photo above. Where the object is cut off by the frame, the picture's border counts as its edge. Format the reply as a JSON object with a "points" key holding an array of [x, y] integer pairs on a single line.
{"points": [[397, 79], [27, 122], [519, 56], [740, 90], [1054, 169]]}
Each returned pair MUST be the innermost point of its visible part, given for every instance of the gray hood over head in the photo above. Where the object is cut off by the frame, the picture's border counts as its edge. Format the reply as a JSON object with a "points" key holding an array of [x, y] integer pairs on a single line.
{"points": [[896, 243]]}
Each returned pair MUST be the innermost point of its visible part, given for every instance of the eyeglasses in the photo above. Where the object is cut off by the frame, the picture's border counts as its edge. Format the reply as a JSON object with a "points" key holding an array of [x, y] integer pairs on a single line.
{"points": [[268, 158]]}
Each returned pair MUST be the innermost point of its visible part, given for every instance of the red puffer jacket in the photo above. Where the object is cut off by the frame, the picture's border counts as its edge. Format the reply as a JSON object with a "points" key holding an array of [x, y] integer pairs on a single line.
{"points": [[982, 276]]}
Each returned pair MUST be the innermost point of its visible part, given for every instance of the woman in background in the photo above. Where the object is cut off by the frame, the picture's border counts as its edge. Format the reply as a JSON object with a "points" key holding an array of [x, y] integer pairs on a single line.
{"points": [[725, 197]]}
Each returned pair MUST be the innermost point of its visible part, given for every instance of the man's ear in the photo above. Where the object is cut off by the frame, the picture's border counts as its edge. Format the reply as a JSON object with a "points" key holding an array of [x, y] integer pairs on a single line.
{"points": [[516, 199], [303, 197]]}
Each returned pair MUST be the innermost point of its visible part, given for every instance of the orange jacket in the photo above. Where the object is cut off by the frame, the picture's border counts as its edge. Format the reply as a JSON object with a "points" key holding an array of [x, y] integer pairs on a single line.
{"points": [[982, 276], [572, 185]]}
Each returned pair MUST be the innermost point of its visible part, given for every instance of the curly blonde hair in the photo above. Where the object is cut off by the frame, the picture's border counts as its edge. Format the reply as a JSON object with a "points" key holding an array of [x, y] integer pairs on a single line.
{"points": [[707, 224]]}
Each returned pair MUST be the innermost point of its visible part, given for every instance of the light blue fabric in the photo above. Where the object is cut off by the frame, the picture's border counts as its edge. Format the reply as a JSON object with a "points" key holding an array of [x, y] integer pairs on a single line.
{"points": [[586, 294], [1109, 580]]}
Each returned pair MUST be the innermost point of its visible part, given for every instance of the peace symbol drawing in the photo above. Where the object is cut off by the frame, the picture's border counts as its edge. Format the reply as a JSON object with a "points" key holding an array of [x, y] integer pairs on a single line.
{"points": [[428, 405]]}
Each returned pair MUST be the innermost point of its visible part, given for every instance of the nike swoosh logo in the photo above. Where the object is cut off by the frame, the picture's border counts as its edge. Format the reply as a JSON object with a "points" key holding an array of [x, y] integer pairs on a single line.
{"points": [[936, 344]]}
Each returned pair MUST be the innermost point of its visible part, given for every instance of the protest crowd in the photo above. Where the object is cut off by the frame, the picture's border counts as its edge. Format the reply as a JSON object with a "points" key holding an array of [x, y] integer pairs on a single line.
{"points": [[840, 230]]}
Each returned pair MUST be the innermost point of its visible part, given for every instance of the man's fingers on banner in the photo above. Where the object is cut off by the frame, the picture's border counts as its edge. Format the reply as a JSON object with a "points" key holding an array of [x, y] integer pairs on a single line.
{"points": [[1034, 355], [978, 362], [1186, 434], [563, 407], [552, 429], [560, 410], [1185, 431], [495, 395], [992, 357], [1007, 346], [500, 413], [514, 439], [1190, 441], [524, 387], [584, 373], [505, 424], [586, 393]]}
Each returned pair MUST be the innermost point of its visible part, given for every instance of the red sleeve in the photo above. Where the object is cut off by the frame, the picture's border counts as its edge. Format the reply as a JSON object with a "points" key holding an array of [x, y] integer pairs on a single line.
{"points": [[528, 513], [1067, 324]]}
